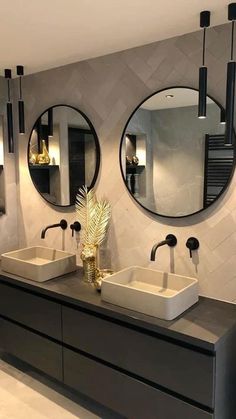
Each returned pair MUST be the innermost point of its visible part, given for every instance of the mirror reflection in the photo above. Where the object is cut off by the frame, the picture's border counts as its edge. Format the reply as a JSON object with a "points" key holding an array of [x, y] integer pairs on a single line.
{"points": [[63, 154], [173, 163]]}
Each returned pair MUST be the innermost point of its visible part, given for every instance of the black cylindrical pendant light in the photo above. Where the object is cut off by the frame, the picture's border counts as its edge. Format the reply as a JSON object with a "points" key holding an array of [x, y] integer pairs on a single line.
{"points": [[50, 122], [202, 98], [21, 113], [230, 85], [39, 134], [9, 113], [222, 116]]}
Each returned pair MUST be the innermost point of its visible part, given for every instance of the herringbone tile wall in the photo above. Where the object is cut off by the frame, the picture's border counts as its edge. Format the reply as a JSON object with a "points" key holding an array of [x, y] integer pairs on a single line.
{"points": [[8, 221], [107, 89]]}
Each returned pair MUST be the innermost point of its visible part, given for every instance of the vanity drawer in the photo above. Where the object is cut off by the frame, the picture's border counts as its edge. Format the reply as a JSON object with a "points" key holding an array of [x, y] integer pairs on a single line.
{"points": [[123, 394], [35, 312], [37, 351], [184, 371]]}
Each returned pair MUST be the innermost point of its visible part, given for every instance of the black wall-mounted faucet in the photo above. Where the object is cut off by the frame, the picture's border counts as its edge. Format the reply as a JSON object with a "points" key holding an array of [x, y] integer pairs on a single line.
{"points": [[62, 224], [192, 244], [170, 240], [76, 226]]}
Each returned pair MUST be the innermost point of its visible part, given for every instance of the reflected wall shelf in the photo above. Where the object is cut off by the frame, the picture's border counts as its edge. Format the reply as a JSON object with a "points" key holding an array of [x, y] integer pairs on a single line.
{"points": [[132, 168], [43, 175], [133, 173], [44, 166]]}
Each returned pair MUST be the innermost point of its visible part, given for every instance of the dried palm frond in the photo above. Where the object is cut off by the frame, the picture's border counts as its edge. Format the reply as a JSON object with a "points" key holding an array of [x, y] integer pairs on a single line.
{"points": [[99, 222], [93, 216], [85, 206]]}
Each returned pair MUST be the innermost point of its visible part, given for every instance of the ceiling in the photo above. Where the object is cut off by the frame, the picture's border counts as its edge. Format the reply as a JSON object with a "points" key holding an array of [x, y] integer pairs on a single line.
{"points": [[49, 33], [180, 97]]}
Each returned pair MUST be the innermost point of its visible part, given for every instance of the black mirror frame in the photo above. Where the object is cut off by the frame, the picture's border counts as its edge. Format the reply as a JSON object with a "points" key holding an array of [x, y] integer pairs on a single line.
{"points": [[97, 147], [120, 156]]}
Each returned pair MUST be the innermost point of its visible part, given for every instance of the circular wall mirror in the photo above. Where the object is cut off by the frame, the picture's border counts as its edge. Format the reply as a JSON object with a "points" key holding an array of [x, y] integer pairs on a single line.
{"points": [[173, 163], [63, 154]]}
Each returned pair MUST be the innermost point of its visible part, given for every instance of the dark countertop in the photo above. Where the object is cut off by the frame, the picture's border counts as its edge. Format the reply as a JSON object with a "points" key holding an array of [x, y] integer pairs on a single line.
{"points": [[203, 325]]}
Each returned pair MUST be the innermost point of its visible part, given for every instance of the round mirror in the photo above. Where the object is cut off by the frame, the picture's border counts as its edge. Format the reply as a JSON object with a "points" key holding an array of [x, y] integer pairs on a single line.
{"points": [[63, 154], [173, 163]]}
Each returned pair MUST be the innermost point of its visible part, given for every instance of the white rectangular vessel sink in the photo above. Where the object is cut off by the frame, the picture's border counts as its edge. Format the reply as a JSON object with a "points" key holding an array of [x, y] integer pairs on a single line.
{"points": [[38, 263], [155, 293]]}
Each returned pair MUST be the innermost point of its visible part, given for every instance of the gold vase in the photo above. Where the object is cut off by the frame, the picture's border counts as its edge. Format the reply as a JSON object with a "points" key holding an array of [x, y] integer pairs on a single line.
{"points": [[89, 258], [44, 157]]}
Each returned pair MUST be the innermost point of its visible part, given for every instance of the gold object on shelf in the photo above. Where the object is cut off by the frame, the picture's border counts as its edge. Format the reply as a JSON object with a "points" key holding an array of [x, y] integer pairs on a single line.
{"points": [[128, 161], [32, 158], [43, 157], [135, 160]]}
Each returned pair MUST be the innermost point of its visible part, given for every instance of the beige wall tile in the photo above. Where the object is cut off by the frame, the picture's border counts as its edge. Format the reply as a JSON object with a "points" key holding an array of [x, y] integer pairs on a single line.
{"points": [[108, 89]]}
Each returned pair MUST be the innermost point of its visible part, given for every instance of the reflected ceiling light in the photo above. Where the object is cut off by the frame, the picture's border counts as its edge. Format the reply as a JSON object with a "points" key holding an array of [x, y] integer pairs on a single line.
{"points": [[9, 112], [169, 96], [230, 84], [202, 97], [21, 113]]}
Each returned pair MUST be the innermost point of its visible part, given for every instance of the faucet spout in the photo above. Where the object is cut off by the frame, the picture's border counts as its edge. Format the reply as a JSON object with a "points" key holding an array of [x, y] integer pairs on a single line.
{"points": [[170, 240], [62, 224], [154, 249]]}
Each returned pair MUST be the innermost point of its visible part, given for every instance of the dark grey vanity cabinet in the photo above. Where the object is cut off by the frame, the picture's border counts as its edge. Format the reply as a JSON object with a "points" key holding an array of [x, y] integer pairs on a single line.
{"points": [[123, 393], [185, 371], [29, 327], [36, 350], [138, 366], [31, 310]]}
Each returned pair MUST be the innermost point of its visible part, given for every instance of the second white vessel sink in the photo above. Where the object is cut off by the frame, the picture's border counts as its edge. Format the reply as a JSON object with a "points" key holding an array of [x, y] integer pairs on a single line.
{"points": [[155, 293], [38, 263]]}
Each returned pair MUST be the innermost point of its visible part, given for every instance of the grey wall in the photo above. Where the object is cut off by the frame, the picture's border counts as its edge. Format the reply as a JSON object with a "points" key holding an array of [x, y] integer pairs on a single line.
{"points": [[178, 139], [8, 221], [108, 89]]}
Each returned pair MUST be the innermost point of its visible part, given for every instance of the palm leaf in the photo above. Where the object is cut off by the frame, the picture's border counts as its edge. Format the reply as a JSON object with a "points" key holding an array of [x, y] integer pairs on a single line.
{"points": [[99, 222], [93, 216], [85, 206]]}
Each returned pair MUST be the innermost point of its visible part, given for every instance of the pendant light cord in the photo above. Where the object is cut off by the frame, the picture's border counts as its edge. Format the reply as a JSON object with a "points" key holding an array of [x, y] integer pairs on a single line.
{"points": [[232, 41]]}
